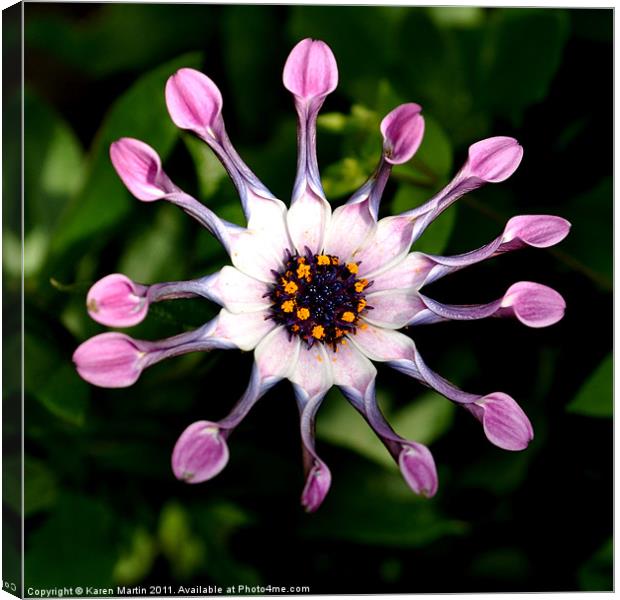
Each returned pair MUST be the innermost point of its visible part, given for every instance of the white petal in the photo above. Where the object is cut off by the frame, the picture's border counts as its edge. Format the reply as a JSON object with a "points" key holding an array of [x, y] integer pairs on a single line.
{"points": [[409, 273], [393, 308], [351, 368], [313, 371], [387, 247], [260, 248], [276, 355], [383, 345], [350, 225], [307, 219], [238, 292], [245, 330]]}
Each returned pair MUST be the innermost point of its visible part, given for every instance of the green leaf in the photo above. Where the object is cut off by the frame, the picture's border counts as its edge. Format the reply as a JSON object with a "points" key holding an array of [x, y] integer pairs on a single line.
{"points": [[75, 543], [141, 113], [52, 380], [424, 420], [523, 51], [40, 486], [136, 562], [209, 170], [379, 510], [343, 177], [591, 242], [595, 397], [596, 574], [182, 548]]}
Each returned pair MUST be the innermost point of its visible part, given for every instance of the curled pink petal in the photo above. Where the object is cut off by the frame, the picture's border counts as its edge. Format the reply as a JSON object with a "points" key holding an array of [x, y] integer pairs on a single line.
{"points": [[111, 360], [539, 231], [402, 130], [418, 468], [194, 101], [534, 304], [494, 159], [200, 453], [117, 301], [504, 422], [139, 167], [310, 70], [317, 485]]}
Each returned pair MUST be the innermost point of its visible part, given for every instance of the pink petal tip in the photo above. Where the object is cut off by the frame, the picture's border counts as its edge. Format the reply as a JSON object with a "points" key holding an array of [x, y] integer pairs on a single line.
{"points": [[117, 301], [504, 422], [310, 70], [317, 485], [539, 231], [494, 159], [200, 453], [402, 130], [534, 304], [418, 468]]}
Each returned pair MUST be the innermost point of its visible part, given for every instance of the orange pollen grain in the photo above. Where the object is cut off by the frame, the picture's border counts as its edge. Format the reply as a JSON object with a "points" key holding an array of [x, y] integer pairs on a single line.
{"points": [[360, 285], [321, 259], [318, 332], [353, 268], [295, 327], [303, 313], [290, 287], [339, 332], [361, 305], [348, 316], [335, 260], [288, 306], [303, 271]]}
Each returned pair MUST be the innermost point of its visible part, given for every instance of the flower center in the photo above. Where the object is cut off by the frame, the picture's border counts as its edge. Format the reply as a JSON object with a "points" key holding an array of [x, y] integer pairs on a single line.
{"points": [[318, 298]]}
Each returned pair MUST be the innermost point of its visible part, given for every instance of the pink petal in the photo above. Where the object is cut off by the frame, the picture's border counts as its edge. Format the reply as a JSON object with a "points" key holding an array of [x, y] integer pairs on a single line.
{"points": [[313, 371], [409, 273], [310, 70], [307, 221], [110, 360], [539, 231], [535, 305], [200, 453], [504, 422], [418, 468], [244, 330], [402, 130], [382, 345], [194, 101], [349, 227], [387, 247], [393, 309], [117, 301], [351, 368], [317, 485], [494, 159], [238, 292], [276, 354], [139, 167]]}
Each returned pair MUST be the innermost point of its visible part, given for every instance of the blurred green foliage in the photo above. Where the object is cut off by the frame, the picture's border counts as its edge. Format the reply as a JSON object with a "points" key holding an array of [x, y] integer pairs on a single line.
{"points": [[103, 507]]}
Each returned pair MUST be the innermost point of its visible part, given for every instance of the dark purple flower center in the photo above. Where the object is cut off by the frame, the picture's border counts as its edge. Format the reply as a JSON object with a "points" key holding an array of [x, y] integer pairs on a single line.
{"points": [[318, 298]]}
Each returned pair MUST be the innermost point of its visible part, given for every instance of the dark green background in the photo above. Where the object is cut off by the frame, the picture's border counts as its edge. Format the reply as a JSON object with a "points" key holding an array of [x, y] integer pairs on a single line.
{"points": [[102, 505]]}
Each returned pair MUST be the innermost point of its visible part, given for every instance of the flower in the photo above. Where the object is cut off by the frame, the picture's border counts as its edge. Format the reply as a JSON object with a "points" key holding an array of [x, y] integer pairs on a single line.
{"points": [[316, 294]]}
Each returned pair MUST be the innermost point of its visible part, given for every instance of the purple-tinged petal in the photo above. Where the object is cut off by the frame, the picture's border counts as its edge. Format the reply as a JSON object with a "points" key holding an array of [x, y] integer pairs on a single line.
{"points": [[200, 453], [307, 220], [349, 227], [244, 330], [383, 345], [402, 130], [117, 301], [111, 360], [310, 70], [139, 167], [408, 274], [393, 309], [494, 159], [418, 468], [504, 422], [238, 292], [351, 369], [318, 482], [539, 231], [194, 102], [535, 305], [276, 355], [312, 374]]}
